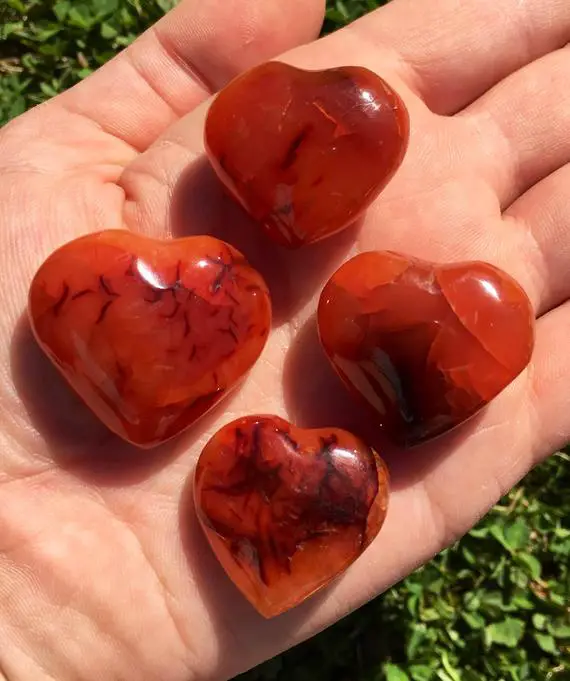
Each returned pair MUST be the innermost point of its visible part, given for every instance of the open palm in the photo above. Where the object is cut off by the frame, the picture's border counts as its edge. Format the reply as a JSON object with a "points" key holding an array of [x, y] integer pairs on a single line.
{"points": [[103, 571]]}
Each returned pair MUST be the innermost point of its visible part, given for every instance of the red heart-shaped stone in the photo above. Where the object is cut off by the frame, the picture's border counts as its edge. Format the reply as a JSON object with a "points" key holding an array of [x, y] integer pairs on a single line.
{"points": [[305, 152], [286, 509], [425, 345], [151, 334]]}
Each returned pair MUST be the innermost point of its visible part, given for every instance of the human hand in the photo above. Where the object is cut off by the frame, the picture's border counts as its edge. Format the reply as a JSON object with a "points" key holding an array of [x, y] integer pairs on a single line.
{"points": [[103, 569]]}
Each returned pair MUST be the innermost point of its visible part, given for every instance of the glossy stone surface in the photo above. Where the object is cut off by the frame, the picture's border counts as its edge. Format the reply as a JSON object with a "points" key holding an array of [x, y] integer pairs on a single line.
{"points": [[425, 345], [305, 152], [285, 509], [151, 334]]}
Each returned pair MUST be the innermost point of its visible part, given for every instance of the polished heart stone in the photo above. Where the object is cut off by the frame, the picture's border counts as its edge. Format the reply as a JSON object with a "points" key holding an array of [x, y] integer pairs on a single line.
{"points": [[425, 345], [151, 334], [285, 509], [305, 152]]}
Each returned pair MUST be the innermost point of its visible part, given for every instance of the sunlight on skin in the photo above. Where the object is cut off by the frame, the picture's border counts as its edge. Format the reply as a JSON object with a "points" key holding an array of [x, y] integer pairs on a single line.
{"points": [[104, 572]]}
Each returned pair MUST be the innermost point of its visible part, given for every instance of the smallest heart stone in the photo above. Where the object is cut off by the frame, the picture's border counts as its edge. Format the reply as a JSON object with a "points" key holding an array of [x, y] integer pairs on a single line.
{"points": [[426, 346], [305, 152], [285, 509], [151, 334]]}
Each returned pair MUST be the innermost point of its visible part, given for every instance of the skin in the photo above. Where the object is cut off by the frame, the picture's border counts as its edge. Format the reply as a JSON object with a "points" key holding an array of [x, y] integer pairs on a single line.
{"points": [[103, 571]]}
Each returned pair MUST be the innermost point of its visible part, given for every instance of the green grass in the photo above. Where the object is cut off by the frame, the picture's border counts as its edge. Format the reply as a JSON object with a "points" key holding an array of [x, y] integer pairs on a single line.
{"points": [[47, 46], [492, 608]]}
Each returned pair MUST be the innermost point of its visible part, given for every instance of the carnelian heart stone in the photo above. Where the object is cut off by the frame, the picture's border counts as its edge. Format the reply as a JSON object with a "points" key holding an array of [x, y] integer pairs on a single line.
{"points": [[305, 152], [425, 345], [150, 334], [285, 509]]}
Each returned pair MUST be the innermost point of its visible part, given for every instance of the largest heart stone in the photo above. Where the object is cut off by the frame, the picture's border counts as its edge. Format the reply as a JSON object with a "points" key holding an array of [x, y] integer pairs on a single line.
{"points": [[305, 152], [425, 345], [151, 334], [287, 509]]}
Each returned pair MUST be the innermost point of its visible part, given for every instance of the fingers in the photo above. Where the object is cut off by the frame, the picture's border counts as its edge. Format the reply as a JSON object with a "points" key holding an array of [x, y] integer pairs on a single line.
{"points": [[543, 213], [524, 154], [522, 125], [452, 52], [196, 49]]}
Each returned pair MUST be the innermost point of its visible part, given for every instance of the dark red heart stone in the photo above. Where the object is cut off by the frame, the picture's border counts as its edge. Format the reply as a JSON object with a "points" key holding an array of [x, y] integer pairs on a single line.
{"points": [[285, 509], [151, 334], [306, 152], [426, 346]]}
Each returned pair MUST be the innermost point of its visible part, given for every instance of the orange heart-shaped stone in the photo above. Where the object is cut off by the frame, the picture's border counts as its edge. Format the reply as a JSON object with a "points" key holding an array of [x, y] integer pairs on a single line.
{"points": [[151, 334], [306, 152], [286, 509], [425, 345]]}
